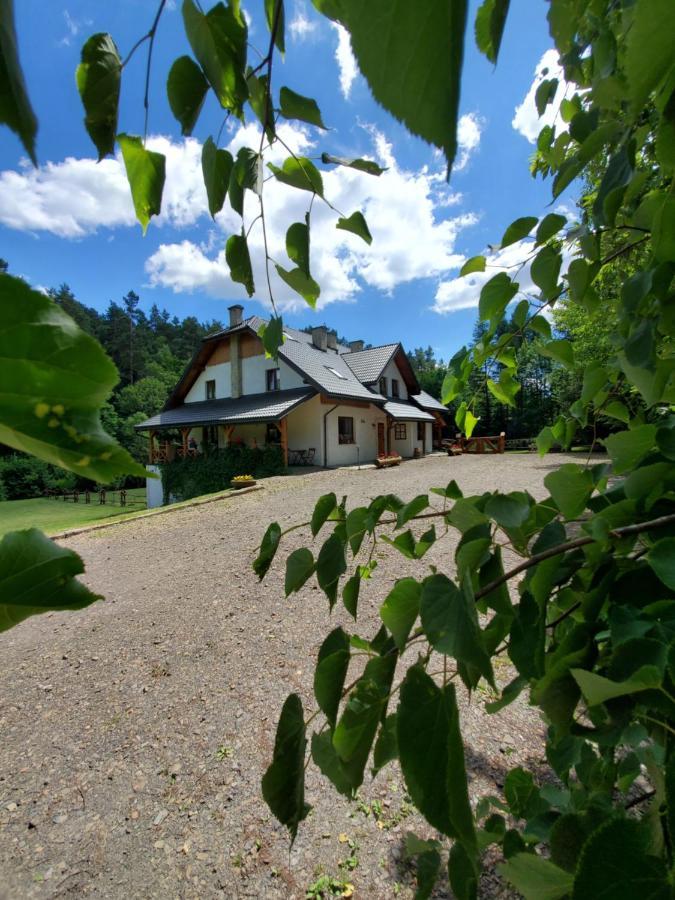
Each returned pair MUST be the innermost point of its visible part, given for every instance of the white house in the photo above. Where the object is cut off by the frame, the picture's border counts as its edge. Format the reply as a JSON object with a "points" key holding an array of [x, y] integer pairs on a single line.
{"points": [[323, 402]]}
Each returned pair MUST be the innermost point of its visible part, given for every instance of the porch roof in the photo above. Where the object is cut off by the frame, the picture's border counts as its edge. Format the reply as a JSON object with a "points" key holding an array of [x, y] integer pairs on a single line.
{"points": [[426, 401], [268, 407], [401, 411]]}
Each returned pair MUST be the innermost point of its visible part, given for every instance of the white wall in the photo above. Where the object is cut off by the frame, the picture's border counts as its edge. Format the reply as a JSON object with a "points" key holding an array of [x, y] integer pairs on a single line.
{"points": [[404, 446], [391, 370], [221, 374], [305, 428], [365, 435], [154, 492]]}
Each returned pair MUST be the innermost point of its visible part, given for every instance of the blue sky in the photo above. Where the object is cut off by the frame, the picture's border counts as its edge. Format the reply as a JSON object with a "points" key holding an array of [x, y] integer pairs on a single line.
{"points": [[72, 221]]}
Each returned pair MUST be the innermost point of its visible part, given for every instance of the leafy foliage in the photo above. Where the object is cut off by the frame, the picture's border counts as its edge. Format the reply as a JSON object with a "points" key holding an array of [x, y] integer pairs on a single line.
{"points": [[213, 471]]}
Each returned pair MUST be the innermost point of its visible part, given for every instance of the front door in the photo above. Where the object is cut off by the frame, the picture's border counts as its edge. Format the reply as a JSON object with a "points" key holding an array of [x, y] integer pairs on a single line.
{"points": [[380, 439]]}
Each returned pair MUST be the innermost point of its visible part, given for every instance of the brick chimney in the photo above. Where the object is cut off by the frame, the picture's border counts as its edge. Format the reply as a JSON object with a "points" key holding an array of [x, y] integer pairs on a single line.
{"points": [[236, 311], [355, 346], [320, 337], [331, 338]]}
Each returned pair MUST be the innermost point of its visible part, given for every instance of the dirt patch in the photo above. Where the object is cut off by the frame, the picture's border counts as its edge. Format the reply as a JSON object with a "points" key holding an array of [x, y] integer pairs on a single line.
{"points": [[135, 732]]}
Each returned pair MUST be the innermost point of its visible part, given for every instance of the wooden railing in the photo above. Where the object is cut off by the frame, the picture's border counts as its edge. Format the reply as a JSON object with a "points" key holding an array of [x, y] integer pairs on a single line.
{"points": [[494, 443]]}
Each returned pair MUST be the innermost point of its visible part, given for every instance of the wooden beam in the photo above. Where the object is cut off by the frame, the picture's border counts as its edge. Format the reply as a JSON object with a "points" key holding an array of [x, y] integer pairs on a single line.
{"points": [[151, 442], [283, 429], [337, 401]]}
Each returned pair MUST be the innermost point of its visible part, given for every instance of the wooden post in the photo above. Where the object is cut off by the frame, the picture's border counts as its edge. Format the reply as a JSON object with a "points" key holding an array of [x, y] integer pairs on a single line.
{"points": [[228, 435], [151, 446], [184, 434], [283, 428]]}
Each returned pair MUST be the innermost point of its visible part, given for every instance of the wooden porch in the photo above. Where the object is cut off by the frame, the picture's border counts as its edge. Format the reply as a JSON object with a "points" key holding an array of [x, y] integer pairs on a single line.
{"points": [[167, 449]]}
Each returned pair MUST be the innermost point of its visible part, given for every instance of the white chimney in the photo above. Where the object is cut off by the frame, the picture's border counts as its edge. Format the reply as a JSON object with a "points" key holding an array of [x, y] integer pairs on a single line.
{"points": [[320, 337], [355, 346], [235, 314], [331, 338]]}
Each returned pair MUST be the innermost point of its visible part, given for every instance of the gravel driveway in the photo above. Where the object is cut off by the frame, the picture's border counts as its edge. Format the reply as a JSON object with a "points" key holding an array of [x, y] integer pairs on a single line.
{"points": [[133, 734]]}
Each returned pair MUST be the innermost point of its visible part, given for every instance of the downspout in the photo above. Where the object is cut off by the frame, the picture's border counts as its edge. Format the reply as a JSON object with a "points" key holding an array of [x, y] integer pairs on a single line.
{"points": [[325, 435]]}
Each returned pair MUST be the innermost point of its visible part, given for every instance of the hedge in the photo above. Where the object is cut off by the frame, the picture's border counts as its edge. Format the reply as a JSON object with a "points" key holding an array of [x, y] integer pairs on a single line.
{"points": [[213, 471]]}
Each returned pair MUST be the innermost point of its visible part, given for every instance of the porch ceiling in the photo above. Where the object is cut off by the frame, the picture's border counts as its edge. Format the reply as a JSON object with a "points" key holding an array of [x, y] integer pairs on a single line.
{"points": [[268, 407]]}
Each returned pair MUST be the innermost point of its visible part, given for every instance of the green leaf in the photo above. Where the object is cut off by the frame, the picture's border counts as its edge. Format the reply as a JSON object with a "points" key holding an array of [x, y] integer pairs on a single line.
{"points": [[522, 794], [578, 278], [239, 261], [355, 732], [302, 284], [431, 754], [451, 491], [495, 296], [518, 230], [325, 505], [428, 867], [272, 336], [462, 872], [186, 89], [98, 80], [450, 622], [489, 27], [55, 378], [268, 548], [272, 9], [386, 745], [652, 26], [617, 175], [357, 225], [331, 669], [509, 510], [505, 389], [597, 689], [412, 509], [261, 103], [474, 264], [617, 410], [326, 759], [299, 172], [283, 784], [549, 226], [38, 576], [299, 567], [362, 165], [412, 62], [661, 558], [218, 40], [330, 565], [616, 863], [560, 350], [216, 170], [401, 608], [350, 594], [146, 171], [246, 173], [627, 448], [571, 487], [15, 109], [545, 269], [540, 325], [545, 94], [663, 230], [536, 878], [297, 245], [295, 106], [595, 379], [357, 525]]}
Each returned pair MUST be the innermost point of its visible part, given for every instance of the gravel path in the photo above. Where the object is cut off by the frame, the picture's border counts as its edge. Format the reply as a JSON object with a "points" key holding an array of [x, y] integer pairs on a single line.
{"points": [[134, 733]]}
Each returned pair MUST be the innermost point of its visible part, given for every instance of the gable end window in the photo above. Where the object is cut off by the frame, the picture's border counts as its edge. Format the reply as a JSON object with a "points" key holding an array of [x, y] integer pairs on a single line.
{"points": [[400, 431], [273, 380], [345, 430], [383, 386], [211, 389], [394, 387]]}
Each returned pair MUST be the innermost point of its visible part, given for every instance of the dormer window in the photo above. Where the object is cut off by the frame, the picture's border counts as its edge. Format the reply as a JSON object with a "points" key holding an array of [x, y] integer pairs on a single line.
{"points": [[272, 380], [394, 388], [211, 389], [336, 373], [383, 386]]}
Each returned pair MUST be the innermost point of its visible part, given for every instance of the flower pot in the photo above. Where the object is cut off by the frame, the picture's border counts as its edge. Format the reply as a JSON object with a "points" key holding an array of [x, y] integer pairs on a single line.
{"points": [[237, 485]]}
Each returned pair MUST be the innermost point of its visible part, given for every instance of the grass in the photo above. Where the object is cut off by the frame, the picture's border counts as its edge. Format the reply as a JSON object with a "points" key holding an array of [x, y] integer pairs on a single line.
{"points": [[53, 516]]}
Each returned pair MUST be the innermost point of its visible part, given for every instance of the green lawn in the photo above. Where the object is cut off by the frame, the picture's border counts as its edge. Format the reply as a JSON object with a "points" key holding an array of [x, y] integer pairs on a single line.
{"points": [[53, 516]]}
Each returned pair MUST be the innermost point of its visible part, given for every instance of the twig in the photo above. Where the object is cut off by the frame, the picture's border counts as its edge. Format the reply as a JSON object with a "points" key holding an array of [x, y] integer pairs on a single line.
{"points": [[151, 37], [634, 802]]}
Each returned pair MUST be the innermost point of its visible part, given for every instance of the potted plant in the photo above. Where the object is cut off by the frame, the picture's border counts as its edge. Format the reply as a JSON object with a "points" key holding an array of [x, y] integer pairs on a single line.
{"points": [[242, 481], [383, 462]]}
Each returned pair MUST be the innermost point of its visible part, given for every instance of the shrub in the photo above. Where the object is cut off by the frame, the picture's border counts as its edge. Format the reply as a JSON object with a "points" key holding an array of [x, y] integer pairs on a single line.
{"points": [[213, 471]]}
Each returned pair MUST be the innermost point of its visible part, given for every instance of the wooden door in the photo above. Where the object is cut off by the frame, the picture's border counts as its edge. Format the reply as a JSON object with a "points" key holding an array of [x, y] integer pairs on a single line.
{"points": [[380, 439]]}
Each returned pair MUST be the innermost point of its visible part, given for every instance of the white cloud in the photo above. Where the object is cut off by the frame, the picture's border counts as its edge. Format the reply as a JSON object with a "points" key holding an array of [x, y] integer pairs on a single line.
{"points": [[414, 233], [464, 293], [409, 242], [469, 130], [526, 119], [73, 28], [301, 27], [345, 60]]}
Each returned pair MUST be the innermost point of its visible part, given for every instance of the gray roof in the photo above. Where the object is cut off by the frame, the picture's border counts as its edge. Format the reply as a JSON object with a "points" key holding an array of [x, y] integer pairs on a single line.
{"points": [[426, 401], [268, 407], [400, 410], [369, 364]]}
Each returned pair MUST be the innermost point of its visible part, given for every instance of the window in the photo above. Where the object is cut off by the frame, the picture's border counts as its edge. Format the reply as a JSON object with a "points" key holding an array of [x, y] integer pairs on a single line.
{"points": [[211, 436], [273, 381], [394, 387], [336, 373], [345, 430], [400, 431], [383, 386], [420, 431], [272, 434], [211, 390]]}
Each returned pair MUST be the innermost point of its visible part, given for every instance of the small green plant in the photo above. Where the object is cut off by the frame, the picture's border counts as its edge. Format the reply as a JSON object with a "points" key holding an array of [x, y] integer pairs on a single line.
{"points": [[224, 752], [326, 886]]}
